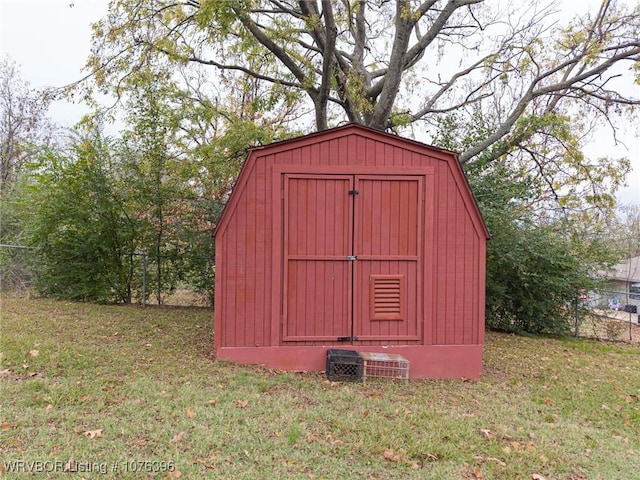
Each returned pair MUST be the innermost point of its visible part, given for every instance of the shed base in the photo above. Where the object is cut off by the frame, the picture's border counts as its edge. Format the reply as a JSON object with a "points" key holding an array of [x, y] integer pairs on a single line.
{"points": [[427, 361]]}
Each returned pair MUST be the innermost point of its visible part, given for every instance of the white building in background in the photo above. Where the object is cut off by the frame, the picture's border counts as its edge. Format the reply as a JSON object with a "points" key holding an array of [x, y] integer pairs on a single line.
{"points": [[624, 286]]}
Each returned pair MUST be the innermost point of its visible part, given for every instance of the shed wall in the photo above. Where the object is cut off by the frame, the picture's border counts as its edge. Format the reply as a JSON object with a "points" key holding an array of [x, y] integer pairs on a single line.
{"points": [[246, 269]]}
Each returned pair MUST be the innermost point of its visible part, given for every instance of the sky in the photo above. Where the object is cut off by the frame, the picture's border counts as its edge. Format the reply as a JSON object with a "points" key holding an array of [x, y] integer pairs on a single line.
{"points": [[50, 41]]}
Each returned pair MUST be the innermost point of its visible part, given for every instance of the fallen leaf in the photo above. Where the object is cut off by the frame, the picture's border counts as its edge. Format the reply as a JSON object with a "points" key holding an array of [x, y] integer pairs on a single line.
{"points": [[491, 459], [242, 403], [93, 433], [70, 466], [212, 403], [206, 463], [6, 371], [477, 473], [537, 476], [392, 456], [174, 473], [5, 426], [487, 434], [34, 353], [178, 437], [49, 407], [189, 413]]}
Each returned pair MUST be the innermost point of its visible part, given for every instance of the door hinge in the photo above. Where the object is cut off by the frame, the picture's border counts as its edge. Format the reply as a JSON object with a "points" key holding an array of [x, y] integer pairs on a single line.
{"points": [[347, 339], [353, 192], [352, 258]]}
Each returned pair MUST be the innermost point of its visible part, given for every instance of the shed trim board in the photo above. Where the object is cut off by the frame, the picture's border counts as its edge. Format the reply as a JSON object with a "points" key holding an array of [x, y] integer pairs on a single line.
{"points": [[351, 238], [426, 361]]}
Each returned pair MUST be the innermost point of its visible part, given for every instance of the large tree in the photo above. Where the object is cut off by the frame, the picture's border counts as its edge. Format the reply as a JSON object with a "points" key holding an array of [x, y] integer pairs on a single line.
{"points": [[23, 123], [24, 128], [384, 64]]}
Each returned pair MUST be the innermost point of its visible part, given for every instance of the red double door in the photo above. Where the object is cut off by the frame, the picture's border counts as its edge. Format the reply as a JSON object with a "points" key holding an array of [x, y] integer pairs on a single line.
{"points": [[352, 254]]}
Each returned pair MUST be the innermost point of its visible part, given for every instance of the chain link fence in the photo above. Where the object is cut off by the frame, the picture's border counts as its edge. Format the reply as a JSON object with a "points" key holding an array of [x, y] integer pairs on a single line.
{"points": [[17, 277], [611, 315], [15, 273]]}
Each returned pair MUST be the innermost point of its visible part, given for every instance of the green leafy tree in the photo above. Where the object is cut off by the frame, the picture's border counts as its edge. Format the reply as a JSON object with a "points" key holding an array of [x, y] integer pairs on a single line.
{"points": [[24, 128], [625, 233], [23, 123], [535, 267], [538, 258], [77, 219], [385, 64], [184, 150], [541, 85], [156, 174]]}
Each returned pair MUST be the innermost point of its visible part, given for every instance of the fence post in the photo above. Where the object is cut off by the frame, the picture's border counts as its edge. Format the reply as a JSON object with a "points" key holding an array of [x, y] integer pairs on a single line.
{"points": [[144, 279]]}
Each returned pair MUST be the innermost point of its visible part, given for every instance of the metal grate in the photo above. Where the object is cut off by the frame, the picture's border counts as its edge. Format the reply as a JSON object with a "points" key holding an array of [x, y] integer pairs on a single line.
{"points": [[384, 365]]}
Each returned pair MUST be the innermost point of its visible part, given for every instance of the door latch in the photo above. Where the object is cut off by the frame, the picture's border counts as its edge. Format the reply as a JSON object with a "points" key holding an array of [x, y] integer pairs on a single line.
{"points": [[352, 258]]}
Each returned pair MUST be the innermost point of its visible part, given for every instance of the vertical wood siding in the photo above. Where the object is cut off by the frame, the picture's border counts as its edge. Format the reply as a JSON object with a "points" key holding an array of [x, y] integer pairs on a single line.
{"points": [[317, 241], [447, 313], [388, 240]]}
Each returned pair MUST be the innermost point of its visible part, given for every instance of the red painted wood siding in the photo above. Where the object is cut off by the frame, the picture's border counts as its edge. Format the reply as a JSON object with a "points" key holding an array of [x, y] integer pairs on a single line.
{"points": [[388, 242], [250, 267], [457, 267], [243, 267], [318, 239], [341, 233]]}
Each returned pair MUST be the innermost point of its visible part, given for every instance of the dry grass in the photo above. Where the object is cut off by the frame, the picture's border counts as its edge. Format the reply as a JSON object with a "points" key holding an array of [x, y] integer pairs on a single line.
{"points": [[612, 326], [138, 389]]}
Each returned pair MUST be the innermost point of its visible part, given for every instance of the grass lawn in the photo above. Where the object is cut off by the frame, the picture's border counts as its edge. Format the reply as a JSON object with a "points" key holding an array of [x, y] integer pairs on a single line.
{"points": [[127, 392]]}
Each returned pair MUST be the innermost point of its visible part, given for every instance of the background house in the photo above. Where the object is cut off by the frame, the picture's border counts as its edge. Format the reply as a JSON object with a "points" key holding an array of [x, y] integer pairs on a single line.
{"points": [[623, 285]]}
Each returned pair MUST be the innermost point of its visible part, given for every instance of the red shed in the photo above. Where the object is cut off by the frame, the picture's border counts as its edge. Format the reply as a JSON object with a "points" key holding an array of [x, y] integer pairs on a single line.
{"points": [[351, 238]]}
